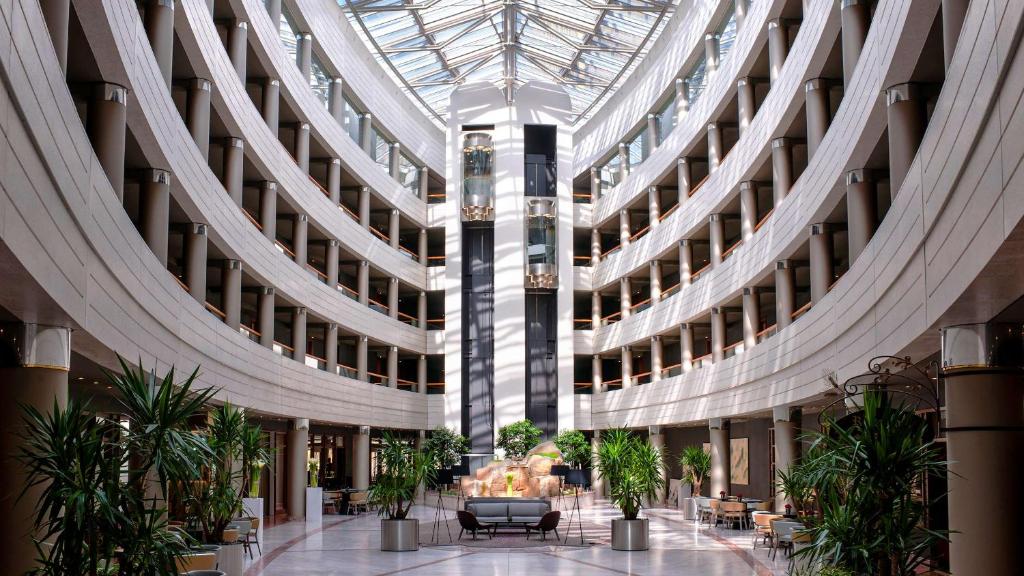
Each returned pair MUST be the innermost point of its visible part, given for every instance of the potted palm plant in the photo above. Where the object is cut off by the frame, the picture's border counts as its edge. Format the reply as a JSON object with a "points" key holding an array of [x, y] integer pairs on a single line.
{"points": [[633, 469], [696, 464], [401, 470], [255, 456]]}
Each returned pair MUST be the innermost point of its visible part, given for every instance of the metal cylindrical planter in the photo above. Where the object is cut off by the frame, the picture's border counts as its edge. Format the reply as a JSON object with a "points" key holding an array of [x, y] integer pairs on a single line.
{"points": [[629, 535], [399, 535], [231, 559]]}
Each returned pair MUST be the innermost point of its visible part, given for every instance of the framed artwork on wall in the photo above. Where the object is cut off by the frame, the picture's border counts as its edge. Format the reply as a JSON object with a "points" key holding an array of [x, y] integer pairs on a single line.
{"points": [[739, 461]]}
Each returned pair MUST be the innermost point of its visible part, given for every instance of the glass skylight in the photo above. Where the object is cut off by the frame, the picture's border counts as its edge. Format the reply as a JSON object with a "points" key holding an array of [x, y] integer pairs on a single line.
{"points": [[431, 46]]}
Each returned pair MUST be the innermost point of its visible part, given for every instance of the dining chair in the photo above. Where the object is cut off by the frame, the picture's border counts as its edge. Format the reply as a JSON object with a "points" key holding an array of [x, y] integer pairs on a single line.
{"points": [[714, 511], [253, 536], [358, 501], [734, 512], [782, 531], [763, 527]]}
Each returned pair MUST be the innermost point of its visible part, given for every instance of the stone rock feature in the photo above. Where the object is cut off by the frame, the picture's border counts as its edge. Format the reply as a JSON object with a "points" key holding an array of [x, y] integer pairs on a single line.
{"points": [[530, 479]]}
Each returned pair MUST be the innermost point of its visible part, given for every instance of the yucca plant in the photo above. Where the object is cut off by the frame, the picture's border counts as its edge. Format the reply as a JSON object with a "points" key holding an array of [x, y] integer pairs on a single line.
{"points": [[401, 470], [696, 464], [255, 456], [633, 468], [215, 497]]}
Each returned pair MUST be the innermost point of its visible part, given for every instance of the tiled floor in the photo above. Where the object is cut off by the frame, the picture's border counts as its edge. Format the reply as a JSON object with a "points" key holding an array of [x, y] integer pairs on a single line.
{"points": [[350, 546]]}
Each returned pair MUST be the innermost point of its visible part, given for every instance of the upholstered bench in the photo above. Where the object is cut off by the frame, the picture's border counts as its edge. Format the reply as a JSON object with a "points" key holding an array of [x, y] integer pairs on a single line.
{"points": [[508, 511]]}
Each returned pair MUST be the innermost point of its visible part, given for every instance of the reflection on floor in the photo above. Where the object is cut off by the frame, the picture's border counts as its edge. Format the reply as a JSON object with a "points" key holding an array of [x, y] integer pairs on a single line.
{"points": [[349, 545]]}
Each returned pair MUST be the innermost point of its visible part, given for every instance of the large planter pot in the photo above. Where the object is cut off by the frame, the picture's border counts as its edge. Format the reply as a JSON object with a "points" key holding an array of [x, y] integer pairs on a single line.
{"points": [[689, 508], [231, 559], [253, 507], [314, 505], [400, 535], [629, 535]]}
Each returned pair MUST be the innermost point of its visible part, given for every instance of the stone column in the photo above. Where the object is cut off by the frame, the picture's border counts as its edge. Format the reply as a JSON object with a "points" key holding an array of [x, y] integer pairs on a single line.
{"points": [[105, 123], [720, 468], [782, 169], [424, 247], [237, 42], [985, 444], [595, 184], [363, 282], [362, 351], [746, 103], [296, 450], [861, 210], [334, 180], [716, 148], [717, 334], [627, 367], [361, 459], [786, 449], [653, 206], [685, 347], [625, 297], [855, 16], [231, 292], [271, 94], [655, 272], [392, 366], [336, 99], [595, 246], [393, 228], [821, 260], [36, 376], [785, 293], [57, 13], [421, 310], [597, 377], [421, 374], [299, 334], [425, 184], [751, 316], [596, 481], [685, 262], [332, 257], [717, 238], [364, 207], [274, 12], [159, 23], [394, 161], [331, 348], [265, 303], [748, 209], [624, 229], [818, 112], [682, 98], [595, 310], [684, 178], [657, 440], [905, 115], [740, 11], [198, 114], [712, 51], [234, 156], [953, 14], [657, 358], [623, 161], [653, 138], [195, 260], [778, 46], [304, 54], [154, 211], [268, 209], [302, 146], [366, 133], [393, 297], [300, 238]]}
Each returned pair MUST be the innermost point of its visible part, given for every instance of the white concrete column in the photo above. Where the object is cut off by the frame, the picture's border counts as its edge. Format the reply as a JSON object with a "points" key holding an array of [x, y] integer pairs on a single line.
{"points": [[682, 98], [198, 114], [785, 293], [595, 246], [596, 374], [953, 14], [394, 161], [421, 374], [364, 207], [657, 441], [271, 103], [855, 16], [655, 271], [361, 459], [299, 334], [363, 282], [300, 238], [627, 367], [362, 351], [653, 137], [195, 260], [265, 318], [684, 178], [905, 114], [334, 180], [657, 362], [595, 184], [720, 468], [716, 148], [154, 211], [393, 228], [425, 184], [717, 334], [685, 263], [782, 169], [421, 310], [393, 297], [751, 317], [748, 209], [106, 120], [740, 11], [302, 146], [159, 23], [332, 265], [822, 267], [625, 297], [861, 210], [234, 157], [392, 366], [336, 99], [786, 449], [268, 209], [237, 42], [331, 348], [746, 103], [366, 133], [424, 247], [623, 161], [712, 52], [596, 481], [304, 54], [818, 113], [685, 347], [274, 12], [231, 292], [297, 451], [624, 230], [57, 13], [778, 46], [717, 238], [595, 310]]}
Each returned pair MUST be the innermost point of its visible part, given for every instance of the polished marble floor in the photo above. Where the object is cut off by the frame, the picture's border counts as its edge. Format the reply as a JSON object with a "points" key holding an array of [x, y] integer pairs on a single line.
{"points": [[346, 545]]}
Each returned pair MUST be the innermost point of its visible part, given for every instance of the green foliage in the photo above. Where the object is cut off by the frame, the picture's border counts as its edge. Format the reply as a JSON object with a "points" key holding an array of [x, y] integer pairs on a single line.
{"points": [[696, 464], [255, 456], [574, 448], [401, 470], [215, 497], [518, 438], [447, 446], [93, 519], [633, 468], [865, 474]]}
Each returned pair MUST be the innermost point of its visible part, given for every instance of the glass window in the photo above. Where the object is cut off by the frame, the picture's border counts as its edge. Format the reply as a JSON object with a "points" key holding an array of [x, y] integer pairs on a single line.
{"points": [[610, 172], [320, 82], [636, 150], [381, 149], [696, 82], [726, 36], [286, 31], [666, 119], [409, 174], [350, 121]]}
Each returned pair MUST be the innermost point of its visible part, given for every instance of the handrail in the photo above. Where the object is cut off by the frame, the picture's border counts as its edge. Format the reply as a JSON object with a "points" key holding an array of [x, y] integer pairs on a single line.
{"points": [[697, 274], [412, 319], [435, 322], [437, 195], [612, 249], [435, 384], [575, 195], [181, 283], [382, 377], [671, 290], [766, 333], [763, 220], [320, 186], [695, 187], [636, 377], [640, 233], [730, 249], [314, 269], [668, 212], [732, 346], [249, 330], [799, 311], [285, 346], [348, 211], [216, 311], [373, 302], [583, 323], [668, 369], [610, 316], [379, 234], [640, 303], [411, 254], [582, 384], [584, 258], [615, 381], [407, 382], [280, 245], [345, 289], [254, 221]]}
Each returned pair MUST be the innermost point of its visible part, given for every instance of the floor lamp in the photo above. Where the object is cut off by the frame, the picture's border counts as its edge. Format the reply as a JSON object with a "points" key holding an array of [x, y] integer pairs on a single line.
{"points": [[576, 477], [560, 470], [444, 478]]}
